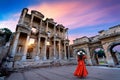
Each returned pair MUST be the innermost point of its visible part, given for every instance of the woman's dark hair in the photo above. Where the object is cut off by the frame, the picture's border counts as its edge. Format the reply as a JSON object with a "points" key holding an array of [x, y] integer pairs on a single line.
{"points": [[80, 56]]}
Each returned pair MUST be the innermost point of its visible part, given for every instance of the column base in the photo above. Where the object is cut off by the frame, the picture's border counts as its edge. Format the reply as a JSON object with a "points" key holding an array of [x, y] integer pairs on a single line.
{"points": [[23, 58], [65, 58], [54, 58], [110, 62], [44, 58], [10, 64], [37, 58], [89, 62]]}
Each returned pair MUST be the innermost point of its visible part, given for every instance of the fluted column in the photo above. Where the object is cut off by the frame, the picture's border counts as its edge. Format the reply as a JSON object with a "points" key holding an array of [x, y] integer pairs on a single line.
{"points": [[65, 56], [54, 42], [67, 33], [25, 49], [54, 47], [11, 63], [59, 49], [38, 49], [15, 44], [59, 31], [31, 21], [68, 52], [47, 27], [22, 17], [64, 34], [38, 44], [45, 49]]}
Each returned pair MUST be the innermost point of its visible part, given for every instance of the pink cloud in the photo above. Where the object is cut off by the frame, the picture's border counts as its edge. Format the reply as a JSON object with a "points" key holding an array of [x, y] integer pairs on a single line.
{"points": [[11, 23], [66, 13], [75, 14]]}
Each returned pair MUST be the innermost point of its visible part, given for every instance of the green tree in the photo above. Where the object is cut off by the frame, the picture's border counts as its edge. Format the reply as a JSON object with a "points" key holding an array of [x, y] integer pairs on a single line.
{"points": [[6, 33], [100, 53]]}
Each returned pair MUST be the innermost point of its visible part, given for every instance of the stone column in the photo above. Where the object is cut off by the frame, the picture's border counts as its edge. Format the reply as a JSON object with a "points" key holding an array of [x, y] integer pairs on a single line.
{"points": [[14, 47], [25, 49], [89, 62], [47, 27], [109, 58], [45, 49], [54, 47], [31, 21], [54, 42], [68, 52], [38, 45], [59, 31], [64, 34], [15, 44], [38, 49], [59, 49], [67, 33], [24, 12], [65, 56]]}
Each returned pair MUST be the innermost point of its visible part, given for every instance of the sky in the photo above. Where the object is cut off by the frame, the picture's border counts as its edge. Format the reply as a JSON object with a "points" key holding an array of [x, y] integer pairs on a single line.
{"points": [[82, 17]]}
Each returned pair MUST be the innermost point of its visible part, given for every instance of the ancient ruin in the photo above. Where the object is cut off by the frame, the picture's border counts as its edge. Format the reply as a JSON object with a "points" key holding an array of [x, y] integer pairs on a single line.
{"points": [[38, 40], [106, 40]]}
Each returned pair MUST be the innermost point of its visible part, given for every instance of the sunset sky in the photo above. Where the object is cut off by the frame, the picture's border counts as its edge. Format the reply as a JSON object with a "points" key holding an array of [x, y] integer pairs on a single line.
{"points": [[82, 17]]}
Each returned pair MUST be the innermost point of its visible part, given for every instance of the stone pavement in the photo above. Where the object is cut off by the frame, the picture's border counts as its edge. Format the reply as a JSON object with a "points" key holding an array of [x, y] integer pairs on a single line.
{"points": [[66, 73]]}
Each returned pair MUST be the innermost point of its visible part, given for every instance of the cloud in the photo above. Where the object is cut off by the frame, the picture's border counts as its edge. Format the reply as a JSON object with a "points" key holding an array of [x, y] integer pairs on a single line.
{"points": [[76, 14], [66, 13], [11, 22]]}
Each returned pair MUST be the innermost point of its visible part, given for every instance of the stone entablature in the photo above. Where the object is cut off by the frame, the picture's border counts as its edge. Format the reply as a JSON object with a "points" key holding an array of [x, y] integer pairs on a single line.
{"points": [[81, 40], [113, 31], [94, 39]]}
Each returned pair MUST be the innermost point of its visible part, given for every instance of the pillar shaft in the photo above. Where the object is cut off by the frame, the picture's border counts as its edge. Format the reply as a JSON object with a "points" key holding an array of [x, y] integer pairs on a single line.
{"points": [[54, 42], [68, 52], [109, 58], [88, 57], [54, 47], [59, 49], [25, 49], [31, 21], [21, 20], [65, 56], [47, 27], [45, 49], [38, 43], [15, 44]]}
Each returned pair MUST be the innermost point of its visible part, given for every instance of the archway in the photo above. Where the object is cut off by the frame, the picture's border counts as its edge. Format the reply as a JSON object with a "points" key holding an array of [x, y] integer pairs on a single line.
{"points": [[99, 56], [115, 52]]}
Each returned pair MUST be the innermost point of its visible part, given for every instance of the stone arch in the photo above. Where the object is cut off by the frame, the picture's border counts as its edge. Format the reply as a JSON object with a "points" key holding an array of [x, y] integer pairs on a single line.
{"points": [[110, 49], [94, 58]]}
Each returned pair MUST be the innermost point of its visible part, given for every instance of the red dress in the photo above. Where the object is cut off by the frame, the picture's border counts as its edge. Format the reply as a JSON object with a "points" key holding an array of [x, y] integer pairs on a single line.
{"points": [[81, 70]]}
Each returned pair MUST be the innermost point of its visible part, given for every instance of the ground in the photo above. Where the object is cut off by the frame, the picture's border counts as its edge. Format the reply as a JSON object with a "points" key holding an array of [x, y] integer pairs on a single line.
{"points": [[66, 73]]}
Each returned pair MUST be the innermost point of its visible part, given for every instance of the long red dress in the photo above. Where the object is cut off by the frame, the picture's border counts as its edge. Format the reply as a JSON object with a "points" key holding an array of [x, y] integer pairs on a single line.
{"points": [[81, 70]]}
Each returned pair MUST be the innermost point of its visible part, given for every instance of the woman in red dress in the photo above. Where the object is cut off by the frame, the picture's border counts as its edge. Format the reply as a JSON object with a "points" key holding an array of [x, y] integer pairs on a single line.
{"points": [[81, 70]]}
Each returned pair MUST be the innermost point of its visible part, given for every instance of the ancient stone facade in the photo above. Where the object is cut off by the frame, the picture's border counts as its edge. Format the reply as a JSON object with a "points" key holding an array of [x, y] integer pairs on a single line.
{"points": [[106, 40], [49, 39]]}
